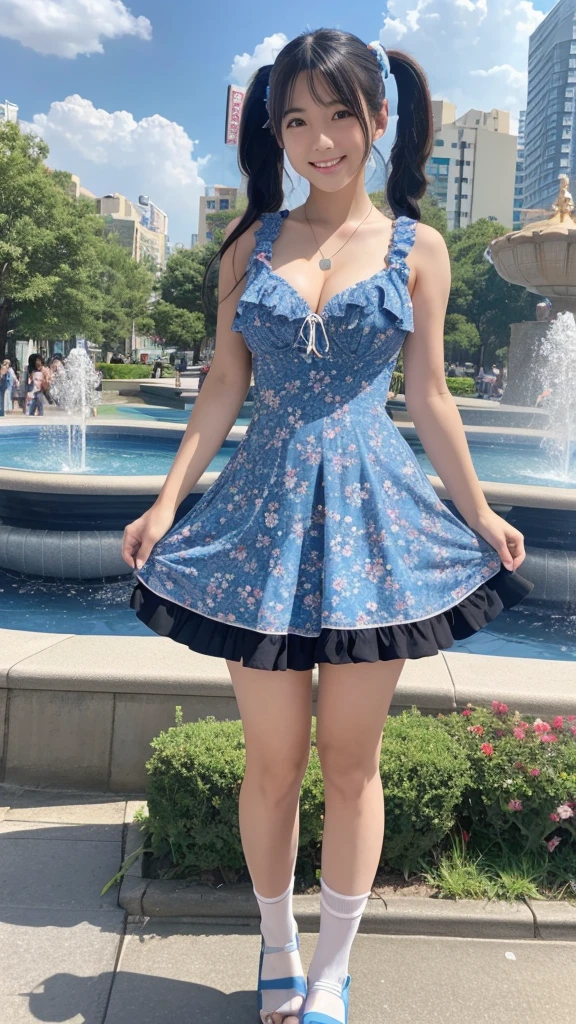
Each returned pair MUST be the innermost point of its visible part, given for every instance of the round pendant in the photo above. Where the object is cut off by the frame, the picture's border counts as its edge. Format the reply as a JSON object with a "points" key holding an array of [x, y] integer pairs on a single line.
{"points": [[325, 264]]}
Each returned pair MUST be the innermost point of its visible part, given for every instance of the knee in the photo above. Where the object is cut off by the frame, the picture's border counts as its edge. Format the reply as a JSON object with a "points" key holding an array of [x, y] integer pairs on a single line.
{"points": [[277, 775], [346, 773]]}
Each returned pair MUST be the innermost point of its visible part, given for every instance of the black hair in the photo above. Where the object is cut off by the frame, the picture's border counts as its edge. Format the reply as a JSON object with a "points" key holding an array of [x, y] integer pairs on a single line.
{"points": [[32, 361], [351, 71]]}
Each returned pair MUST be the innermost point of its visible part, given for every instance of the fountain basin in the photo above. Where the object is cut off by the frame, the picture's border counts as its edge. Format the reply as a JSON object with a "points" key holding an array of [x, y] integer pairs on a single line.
{"points": [[70, 525]]}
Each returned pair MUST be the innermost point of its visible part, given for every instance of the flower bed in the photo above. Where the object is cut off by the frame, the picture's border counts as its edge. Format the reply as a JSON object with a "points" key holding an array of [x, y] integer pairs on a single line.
{"points": [[483, 785]]}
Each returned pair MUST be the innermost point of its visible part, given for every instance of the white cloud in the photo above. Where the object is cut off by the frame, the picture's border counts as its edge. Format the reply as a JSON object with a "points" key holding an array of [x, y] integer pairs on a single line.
{"points": [[66, 28], [112, 152], [475, 52], [245, 64]]}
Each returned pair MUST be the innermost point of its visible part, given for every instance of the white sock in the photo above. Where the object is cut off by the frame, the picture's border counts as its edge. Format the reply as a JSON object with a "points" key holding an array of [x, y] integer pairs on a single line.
{"points": [[278, 927], [339, 920]]}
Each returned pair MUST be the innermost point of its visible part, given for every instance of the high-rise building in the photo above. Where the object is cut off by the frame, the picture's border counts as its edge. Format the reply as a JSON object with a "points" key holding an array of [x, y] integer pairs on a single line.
{"points": [[215, 198], [125, 219], [473, 164], [8, 111], [519, 180], [549, 145]]}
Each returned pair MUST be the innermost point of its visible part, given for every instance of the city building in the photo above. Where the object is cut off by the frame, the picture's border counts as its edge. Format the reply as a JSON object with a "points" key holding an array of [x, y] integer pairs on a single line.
{"points": [[77, 189], [8, 111], [549, 146], [518, 218], [193, 239], [132, 226], [215, 198], [473, 164]]}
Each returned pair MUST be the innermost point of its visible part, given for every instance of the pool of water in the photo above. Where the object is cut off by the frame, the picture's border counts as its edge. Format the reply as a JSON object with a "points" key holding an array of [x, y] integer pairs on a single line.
{"points": [[504, 461], [135, 453], [44, 449], [101, 607]]}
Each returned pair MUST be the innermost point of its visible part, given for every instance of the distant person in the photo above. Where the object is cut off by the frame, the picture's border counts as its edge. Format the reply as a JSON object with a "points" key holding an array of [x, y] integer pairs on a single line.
{"points": [[116, 358], [183, 364], [452, 370], [157, 369], [11, 381], [38, 382]]}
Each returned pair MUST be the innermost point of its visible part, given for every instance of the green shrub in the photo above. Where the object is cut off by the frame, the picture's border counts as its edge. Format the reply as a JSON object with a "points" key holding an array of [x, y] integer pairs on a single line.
{"points": [[461, 385], [424, 772], [456, 385], [124, 371], [194, 783]]}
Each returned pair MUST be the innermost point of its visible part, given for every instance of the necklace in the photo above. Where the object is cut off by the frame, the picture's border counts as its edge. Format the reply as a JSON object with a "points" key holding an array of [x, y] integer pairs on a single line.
{"points": [[326, 263]]}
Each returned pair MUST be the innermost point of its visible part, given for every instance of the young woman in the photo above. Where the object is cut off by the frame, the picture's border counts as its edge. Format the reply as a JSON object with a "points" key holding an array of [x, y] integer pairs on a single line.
{"points": [[11, 382], [38, 379], [323, 541]]}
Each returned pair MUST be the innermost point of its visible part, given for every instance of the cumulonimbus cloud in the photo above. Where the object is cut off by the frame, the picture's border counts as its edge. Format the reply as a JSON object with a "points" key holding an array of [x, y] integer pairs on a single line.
{"points": [[113, 152], [67, 28]]}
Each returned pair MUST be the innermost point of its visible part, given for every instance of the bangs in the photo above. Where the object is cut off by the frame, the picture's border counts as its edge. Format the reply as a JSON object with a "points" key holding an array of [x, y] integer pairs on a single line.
{"points": [[328, 66]]}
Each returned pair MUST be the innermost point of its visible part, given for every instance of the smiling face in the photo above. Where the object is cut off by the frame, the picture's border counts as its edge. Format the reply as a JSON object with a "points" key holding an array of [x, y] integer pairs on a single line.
{"points": [[324, 141]]}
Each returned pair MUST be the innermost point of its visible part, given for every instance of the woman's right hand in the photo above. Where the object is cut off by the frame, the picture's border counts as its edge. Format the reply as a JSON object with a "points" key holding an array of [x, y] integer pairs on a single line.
{"points": [[141, 535]]}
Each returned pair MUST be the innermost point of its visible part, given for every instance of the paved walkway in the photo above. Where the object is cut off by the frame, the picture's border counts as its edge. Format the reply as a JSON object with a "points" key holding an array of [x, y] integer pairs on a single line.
{"points": [[69, 955]]}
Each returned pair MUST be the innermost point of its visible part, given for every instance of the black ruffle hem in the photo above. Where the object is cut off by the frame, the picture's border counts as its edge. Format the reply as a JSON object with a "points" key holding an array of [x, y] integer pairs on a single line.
{"points": [[280, 651]]}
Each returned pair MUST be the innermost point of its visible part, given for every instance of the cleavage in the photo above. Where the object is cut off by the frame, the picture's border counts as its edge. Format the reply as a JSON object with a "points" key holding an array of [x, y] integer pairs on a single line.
{"points": [[353, 284]]}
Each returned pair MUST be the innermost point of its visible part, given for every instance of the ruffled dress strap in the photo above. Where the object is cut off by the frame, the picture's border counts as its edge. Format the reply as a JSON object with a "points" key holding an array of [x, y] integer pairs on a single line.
{"points": [[403, 235], [266, 235]]}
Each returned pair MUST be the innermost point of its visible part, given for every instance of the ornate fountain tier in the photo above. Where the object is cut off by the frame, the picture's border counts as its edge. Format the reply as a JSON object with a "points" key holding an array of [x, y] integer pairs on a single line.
{"points": [[541, 257]]}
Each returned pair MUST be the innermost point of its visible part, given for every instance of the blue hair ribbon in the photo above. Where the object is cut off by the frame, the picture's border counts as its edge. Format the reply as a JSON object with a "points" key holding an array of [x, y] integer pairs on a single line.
{"points": [[382, 56]]}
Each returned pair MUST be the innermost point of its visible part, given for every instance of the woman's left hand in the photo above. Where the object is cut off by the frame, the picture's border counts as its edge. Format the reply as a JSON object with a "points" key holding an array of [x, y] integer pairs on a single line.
{"points": [[506, 539]]}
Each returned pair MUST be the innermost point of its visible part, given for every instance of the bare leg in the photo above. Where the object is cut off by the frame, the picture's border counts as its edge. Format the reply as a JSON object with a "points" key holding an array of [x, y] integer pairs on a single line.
{"points": [[276, 713], [353, 704]]}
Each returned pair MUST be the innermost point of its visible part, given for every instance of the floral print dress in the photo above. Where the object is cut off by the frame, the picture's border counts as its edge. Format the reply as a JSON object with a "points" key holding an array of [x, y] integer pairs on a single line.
{"points": [[323, 530]]}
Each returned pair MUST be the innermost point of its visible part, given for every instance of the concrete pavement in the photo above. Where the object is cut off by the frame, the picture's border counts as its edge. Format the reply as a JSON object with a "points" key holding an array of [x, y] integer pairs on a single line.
{"points": [[69, 955]]}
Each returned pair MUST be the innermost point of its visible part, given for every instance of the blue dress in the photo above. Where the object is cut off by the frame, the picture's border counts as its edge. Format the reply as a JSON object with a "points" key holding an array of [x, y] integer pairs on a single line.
{"points": [[322, 538]]}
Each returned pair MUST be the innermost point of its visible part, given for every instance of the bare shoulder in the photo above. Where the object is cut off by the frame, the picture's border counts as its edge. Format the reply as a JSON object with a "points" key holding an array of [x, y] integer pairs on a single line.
{"points": [[428, 242]]}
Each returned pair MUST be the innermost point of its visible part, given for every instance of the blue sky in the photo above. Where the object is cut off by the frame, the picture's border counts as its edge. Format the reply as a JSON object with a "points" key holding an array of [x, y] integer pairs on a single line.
{"points": [[132, 97]]}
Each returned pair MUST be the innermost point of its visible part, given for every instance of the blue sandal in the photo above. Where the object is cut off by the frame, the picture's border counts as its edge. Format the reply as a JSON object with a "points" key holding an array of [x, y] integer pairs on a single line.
{"points": [[315, 1017], [298, 984]]}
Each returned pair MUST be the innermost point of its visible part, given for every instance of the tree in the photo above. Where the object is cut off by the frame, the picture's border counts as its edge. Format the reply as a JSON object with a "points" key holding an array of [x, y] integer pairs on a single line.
{"points": [[478, 292], [44, 256], [181, 282], [59, 276], [179, 327], [124, 294], [461, 338]]}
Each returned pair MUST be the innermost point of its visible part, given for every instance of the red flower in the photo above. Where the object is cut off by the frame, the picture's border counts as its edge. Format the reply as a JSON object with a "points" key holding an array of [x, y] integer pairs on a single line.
{"points": [[554, 816], [465, 835], [535, 771], [515, 805], [518, 733], [540, 726], [558, 722], [466, 712], [487, 749], [549, 738], [498, 708]]}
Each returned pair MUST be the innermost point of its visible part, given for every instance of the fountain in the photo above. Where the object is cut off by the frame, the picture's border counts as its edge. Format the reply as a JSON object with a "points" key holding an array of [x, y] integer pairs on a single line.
{"points": [[541, 257], [75, 389]]}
